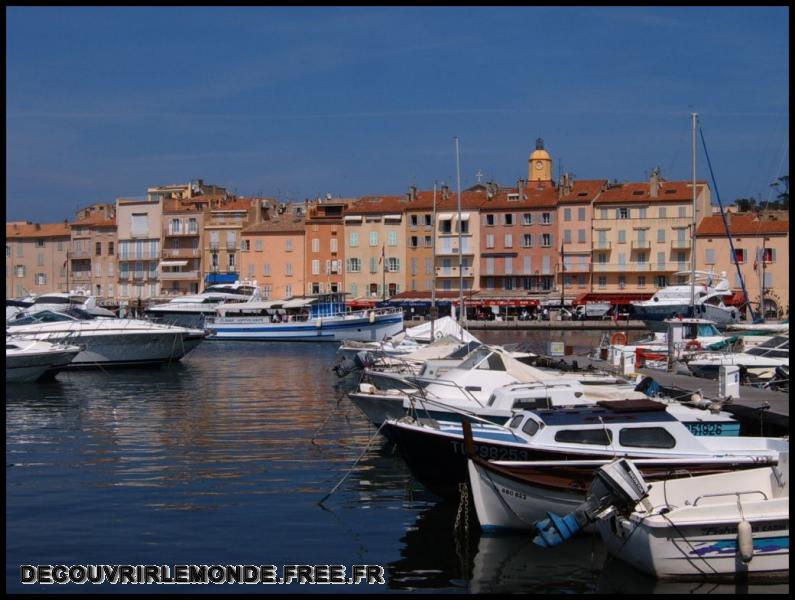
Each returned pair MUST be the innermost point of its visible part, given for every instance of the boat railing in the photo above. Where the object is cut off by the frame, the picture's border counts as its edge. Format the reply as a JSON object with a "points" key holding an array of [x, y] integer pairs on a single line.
{"points": [[738, 494]]}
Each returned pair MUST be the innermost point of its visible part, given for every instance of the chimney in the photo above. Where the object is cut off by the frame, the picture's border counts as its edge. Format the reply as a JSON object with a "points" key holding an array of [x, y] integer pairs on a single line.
{"points": [[445, 192], [520, 185], [38, 226], [412, 193]]}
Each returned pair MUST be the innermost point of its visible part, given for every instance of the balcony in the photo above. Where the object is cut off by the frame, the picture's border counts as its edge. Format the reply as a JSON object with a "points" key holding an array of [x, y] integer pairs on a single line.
{"points": [[168, 232], [577, 268], [214, 246], [601, 245], [634, 267], [179, 275], [144, 255], [181, 253], [453, 251], [640, 245], [680, 244], [231, 246], [453, 272]]}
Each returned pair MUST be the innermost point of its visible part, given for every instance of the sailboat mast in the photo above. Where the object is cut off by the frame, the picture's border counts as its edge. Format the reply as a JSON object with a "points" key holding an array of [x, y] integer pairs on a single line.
{"points": [[433, 246], [693, 228], [462, 310]]}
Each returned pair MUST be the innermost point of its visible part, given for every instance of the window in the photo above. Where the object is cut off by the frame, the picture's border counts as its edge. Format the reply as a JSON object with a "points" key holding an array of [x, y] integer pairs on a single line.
{"points": [[414, 241], [245, 245], [581, 236], [39, 243], [527, 240], [315, 267], [567, 236], [288, 245], [393, 265], [139, 226], [770, 255], [39, 260], [527, 218], [508, 219], [661, 235], [603, 213], [427, 219], [231, 261], [662, 212], [258, 245], [315, 245], [597, 437], [110, 249], [709, 256], [546, 218], [288, 269], [508, 241], [489, 220], [373, 238], [251, 270], [8, 251], [490, 241], [19, 250], [288, 290], [641, 257], [581, 213], [642, 212], [682, 212], [641, 281], [622, 282], [622, 213], [193, 226], [622, 236], [546, 240], [266, 269], [661, 281], [20, 270], [414, 220], [646, 437], [463, 226], [428, 241], [602, 282], [354, 239], [391, 238], [354, 265], [739, 255], [176, 226], [333, 245], [567, 214], [41, 279]]}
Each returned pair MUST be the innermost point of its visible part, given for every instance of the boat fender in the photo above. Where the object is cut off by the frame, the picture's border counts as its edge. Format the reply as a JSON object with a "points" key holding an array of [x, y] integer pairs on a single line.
{"points": [[372, 316], [438, 335], [618, 339], [745, 542]]}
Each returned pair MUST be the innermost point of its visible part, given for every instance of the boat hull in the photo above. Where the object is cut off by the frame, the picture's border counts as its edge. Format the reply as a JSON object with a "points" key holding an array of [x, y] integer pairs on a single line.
{"points": [[331, 329], [654, 316], [31, 367]]}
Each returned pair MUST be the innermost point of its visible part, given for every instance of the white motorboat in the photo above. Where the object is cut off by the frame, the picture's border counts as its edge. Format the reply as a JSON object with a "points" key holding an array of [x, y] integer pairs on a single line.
{"points": [[491, 384], [314, 318], [409, 341], [759, 364], [640, 429], [676, 300], [732, 525], [56, 301], [31, 359], [192, 310], [109, 342]]}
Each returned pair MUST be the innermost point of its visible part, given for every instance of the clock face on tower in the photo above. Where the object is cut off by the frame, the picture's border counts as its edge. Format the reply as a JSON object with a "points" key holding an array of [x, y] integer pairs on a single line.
{"points": [[539, 165]]}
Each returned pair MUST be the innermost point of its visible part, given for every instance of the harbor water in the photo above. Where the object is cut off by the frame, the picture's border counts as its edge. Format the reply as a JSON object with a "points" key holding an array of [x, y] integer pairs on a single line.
{"points": [[222, 459]]}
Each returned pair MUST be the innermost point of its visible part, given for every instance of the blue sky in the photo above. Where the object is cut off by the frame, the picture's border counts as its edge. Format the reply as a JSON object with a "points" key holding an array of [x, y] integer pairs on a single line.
{"points": [[299, 102]]}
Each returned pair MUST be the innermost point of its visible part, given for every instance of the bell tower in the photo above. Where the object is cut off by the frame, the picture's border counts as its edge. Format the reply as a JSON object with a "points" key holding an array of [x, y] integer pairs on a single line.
{"points": [[539, 165]]}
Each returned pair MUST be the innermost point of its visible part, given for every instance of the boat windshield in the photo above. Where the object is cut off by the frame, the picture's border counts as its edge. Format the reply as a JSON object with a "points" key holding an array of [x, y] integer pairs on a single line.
{"points": [[483, 358], [777, 346], [49, 316]]}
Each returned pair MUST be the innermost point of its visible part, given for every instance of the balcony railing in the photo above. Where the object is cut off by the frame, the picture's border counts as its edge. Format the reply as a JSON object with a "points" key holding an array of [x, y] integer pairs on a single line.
{"points": [[598, 245], [143, 255], [453, 250], [181, 253], [680, 244], [641, 245], [577, 268], [214, 246], [180, 232], [179, 275], [634, 267], [453, 271]]}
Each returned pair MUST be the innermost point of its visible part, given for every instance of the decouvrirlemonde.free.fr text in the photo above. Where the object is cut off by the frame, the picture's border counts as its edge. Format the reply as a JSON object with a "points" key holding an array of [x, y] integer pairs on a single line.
{"points": [[201, 574]]}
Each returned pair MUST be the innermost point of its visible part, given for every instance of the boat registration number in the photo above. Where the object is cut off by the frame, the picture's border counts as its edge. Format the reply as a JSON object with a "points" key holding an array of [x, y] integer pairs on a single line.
{"points": [[705, 428]]}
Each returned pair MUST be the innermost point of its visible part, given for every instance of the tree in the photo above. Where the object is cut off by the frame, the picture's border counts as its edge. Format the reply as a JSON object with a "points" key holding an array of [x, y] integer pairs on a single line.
{"points": [[746, 204], [781, 185]]}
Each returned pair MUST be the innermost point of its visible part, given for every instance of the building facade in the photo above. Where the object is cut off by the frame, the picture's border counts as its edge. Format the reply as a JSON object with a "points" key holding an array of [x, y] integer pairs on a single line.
{"points": [[139, 226], [93, 249], [36, 258], [324, 246], [761, 249]]}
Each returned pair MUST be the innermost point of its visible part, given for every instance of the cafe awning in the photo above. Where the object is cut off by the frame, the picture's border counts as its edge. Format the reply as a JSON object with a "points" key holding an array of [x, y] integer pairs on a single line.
{"points": [[173, 263], [299, 302], [445, 216]]}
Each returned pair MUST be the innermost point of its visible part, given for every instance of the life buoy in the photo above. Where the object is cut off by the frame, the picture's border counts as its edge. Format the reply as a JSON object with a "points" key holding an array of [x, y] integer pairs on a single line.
{"points": [[438, 335], [618, 339], [693, 345]]}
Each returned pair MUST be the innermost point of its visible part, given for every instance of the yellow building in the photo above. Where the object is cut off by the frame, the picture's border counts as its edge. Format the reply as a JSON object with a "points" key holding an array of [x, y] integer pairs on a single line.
{"points": [[36, 258], [92, 257], [641, 234]]}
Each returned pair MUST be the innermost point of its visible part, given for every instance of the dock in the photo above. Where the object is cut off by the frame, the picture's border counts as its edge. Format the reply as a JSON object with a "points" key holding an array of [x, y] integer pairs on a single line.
{"points": [[762, 412]]}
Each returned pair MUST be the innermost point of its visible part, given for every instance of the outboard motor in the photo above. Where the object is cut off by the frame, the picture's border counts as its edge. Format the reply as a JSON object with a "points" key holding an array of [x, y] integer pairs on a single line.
{"points": [[618, 483]]}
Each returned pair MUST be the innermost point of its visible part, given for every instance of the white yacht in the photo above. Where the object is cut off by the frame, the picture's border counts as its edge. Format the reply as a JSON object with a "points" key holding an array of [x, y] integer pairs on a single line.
{"points": [[31, 359], [675, 300], [56, 301], [109, 342], [191, 310]]}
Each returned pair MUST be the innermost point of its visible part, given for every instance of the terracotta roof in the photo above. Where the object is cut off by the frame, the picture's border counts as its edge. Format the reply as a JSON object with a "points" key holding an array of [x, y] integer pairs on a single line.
{"points": [[740, 224], [377, 205], [239, 204], [583, 191], [535, 197], [37, 230], [670, 191], [278, 225], [96, 222]]}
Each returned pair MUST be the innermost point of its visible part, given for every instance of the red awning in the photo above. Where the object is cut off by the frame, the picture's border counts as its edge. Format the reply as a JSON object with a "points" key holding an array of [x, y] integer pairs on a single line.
{"points": [[362, 303], [505, 302]]}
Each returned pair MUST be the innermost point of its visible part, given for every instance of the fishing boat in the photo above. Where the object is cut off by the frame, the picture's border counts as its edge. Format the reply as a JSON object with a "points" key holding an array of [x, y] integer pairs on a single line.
{"points": [[31, 359], [726, 526], [192, 310], [313, 318], [642, 429], [109, 342]]}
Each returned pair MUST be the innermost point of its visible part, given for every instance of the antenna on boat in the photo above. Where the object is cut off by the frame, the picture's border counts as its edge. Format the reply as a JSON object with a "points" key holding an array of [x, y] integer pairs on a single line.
{"points": [[462, 313], [693, 227]]}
